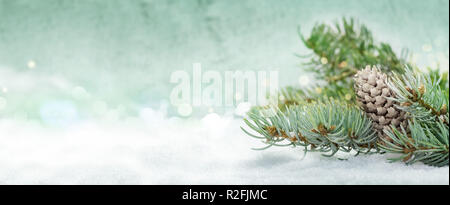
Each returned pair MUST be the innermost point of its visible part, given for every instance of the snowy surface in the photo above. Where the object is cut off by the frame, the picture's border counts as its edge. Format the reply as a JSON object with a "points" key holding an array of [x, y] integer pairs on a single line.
{"points": [[70, 117], [158, 150]]}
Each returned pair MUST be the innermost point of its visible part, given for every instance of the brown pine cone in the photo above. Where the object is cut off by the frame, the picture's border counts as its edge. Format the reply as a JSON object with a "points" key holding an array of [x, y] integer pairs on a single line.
{"points": [[371, 91]]}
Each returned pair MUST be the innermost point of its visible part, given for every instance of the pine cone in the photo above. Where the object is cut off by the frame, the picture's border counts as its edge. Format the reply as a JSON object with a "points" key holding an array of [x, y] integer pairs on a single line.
{"points": [[371, 91]]}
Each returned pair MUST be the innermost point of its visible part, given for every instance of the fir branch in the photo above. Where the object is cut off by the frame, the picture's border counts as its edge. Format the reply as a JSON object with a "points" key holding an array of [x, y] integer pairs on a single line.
{"points": [[305, 117], [424, 143], [438, 76], [340, 50], [421, 96], [325, 126], [294, 96], [342, 76]]}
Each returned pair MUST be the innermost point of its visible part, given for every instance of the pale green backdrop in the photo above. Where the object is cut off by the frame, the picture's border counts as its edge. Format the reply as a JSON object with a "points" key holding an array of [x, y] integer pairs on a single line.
{"points": [[85, 58]]}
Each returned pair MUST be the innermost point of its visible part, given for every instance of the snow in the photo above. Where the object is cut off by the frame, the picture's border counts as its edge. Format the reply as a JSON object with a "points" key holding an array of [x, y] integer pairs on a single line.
{"points": [[163, 150], [78, 116]]}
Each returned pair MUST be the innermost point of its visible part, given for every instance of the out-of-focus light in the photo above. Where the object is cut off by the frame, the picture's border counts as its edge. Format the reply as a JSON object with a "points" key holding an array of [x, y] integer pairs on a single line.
{"points": [[4, 89], [303, 80], [215, 124], [324, 60], [348, 97], [212, 120], [147, 114], [242, 108], [185, 110], [152, 117], [31, 64], [318, 90]]}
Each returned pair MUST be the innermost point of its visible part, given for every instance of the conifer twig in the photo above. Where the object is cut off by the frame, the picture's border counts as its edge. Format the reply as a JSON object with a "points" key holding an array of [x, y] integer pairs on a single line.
{"points": [[326, 126]]}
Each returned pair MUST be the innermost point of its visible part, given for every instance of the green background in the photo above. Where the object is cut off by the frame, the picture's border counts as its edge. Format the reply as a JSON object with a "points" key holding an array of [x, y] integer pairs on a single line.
{"points": [[112, 57]]}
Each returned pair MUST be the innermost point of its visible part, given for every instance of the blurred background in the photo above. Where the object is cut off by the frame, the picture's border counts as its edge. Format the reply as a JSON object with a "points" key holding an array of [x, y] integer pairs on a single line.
{"points": [[85, 86], [62, 61]]}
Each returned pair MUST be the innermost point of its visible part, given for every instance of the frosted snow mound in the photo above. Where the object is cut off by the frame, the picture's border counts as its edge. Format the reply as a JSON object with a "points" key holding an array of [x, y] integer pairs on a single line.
{"points": [[175, 151]]}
